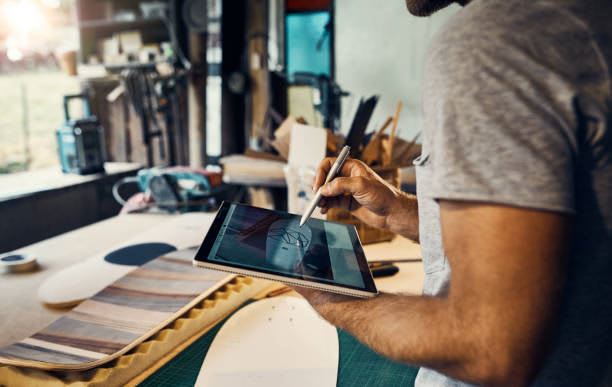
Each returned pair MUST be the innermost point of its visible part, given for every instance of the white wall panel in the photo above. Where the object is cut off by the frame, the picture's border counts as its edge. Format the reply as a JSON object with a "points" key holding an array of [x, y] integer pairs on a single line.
{"points": [[380, 49]]}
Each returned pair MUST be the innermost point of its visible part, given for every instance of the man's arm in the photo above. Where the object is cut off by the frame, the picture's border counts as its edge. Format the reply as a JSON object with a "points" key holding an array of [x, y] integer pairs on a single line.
{"points": [[491, 328]]}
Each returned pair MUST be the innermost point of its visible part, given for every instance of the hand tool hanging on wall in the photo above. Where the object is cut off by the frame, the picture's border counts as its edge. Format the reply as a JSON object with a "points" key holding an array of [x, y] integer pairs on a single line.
{"points": [[167, 95], [139, 91]]}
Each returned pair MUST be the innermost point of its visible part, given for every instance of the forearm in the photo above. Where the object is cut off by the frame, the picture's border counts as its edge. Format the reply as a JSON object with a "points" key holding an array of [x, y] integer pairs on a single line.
{"points": [[398, 327], [403, 217], [410, 329]]}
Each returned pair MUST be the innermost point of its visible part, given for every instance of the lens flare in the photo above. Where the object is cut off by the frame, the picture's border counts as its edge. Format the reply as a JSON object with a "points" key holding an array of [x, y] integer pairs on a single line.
{"points": [[22, 17]]}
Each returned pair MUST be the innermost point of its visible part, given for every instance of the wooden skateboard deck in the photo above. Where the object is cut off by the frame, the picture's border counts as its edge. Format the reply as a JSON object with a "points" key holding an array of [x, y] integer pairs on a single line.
{"points": [[119, 317], [273, 342], [81, 281]]}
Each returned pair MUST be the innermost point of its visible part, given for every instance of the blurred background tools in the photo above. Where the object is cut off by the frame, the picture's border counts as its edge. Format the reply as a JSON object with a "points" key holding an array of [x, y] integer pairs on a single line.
{"points": [[173, 189]]}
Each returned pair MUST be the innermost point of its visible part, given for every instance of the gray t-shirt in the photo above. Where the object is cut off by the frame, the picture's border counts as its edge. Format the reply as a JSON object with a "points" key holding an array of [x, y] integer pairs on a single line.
{"points": [[518, 111]]}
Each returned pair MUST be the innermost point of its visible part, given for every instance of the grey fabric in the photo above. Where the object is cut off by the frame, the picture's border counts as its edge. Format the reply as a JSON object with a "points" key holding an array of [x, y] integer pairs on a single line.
{"points": [[517, 112]]}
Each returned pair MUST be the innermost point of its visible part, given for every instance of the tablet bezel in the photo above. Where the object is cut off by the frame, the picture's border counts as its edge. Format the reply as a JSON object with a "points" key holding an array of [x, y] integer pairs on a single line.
{"points": [[201, 259]]}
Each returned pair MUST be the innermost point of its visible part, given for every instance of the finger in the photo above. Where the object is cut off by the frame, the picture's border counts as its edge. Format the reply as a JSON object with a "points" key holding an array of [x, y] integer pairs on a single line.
{"points": [[334, 201], [351, 167], [344, 186], [322, 171], [339, 202], [344, 203], [322, 203]]}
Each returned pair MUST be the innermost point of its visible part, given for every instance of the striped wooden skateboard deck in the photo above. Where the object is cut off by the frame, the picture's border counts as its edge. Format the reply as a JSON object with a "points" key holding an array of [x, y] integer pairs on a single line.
{"points": [[119, 317], [81, 281]]}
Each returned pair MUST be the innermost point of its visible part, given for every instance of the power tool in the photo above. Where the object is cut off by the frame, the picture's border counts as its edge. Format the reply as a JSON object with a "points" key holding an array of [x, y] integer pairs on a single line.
{"points": [[174, 188], [80, 142]]}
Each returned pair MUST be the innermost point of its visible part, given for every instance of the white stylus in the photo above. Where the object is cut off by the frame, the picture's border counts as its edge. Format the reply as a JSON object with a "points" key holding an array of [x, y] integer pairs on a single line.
{"points": [[344, 153]]}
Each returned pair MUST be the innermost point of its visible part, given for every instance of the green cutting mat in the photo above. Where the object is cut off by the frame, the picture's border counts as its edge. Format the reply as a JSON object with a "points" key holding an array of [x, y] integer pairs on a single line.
{"points": [[359, 365]]}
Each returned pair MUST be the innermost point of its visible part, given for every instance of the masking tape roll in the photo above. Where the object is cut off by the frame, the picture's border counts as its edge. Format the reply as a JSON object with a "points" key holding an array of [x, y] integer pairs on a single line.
{"points": [[16, 263]]}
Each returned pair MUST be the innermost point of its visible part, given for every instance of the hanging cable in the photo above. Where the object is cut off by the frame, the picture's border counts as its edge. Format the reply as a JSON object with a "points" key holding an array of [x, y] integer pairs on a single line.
{"points": [[118, 184]]}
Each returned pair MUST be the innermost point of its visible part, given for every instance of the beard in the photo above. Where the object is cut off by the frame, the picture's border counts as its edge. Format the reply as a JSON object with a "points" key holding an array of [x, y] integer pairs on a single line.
{"points": [[427, 7]]}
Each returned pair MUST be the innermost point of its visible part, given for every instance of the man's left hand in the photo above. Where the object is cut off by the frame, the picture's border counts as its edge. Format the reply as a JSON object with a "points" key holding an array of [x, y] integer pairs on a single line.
{"points": [[327, 304]]}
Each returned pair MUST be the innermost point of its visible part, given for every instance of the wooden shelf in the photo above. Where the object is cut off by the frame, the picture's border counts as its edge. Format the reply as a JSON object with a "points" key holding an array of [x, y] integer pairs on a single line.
{"points": [[96, 21], [149, 66], [119, 24]]}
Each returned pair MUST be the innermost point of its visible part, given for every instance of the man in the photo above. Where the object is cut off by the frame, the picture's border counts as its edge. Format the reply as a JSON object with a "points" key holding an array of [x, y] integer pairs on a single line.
{"points": [[514, 203]]}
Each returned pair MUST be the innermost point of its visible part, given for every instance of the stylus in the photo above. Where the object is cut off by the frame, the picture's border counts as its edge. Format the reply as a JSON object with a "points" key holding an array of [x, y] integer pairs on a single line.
{"points": [[344, 153]]}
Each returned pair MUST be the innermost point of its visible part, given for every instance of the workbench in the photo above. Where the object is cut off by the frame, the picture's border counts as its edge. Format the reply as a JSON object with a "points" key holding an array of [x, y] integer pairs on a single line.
{"points": [[24, 315]]}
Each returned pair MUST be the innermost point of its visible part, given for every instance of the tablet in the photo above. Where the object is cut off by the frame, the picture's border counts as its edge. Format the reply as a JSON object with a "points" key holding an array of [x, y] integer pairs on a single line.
{"points": [[271, 244]]}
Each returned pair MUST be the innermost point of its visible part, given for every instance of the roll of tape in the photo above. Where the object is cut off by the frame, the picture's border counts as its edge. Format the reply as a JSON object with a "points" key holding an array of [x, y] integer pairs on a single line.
{"points": [[16, 263]]}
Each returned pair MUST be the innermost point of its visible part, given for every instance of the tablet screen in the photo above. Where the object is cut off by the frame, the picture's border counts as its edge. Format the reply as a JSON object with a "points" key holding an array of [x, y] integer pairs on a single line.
{"points": [[273, 242]]}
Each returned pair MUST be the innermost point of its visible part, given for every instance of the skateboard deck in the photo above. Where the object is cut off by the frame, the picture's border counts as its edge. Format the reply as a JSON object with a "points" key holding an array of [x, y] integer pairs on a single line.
{"points": [[119, 317], [273, 342], [81, 281]]}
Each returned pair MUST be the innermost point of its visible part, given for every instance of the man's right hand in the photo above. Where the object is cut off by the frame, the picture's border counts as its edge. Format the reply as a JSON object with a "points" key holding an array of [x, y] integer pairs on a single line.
{"points": [[366, 195]]}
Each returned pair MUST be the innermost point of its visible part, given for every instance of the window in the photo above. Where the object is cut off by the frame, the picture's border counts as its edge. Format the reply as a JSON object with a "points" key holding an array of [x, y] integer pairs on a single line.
{"points": [[308, 42], [35, 35]]}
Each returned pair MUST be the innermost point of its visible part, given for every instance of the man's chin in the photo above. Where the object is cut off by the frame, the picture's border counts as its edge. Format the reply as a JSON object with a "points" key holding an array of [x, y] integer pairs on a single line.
{"points": [[426, 7]]}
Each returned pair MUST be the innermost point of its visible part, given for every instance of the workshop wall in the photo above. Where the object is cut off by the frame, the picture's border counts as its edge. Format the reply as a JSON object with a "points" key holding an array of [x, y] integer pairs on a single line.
{"points": [[380, 49]]}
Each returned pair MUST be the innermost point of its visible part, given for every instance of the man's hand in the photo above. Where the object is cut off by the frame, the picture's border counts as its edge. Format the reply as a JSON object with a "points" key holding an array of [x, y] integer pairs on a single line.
{"points": [[137, 202], [325, 303], [370, 198]]}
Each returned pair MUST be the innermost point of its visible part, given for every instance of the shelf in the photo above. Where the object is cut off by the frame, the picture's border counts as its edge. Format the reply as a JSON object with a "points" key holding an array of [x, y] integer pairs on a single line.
{"points": [[149, 66], [120, 24]]}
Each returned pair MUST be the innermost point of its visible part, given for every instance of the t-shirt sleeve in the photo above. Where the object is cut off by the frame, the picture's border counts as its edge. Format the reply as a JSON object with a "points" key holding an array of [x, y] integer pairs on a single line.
{"points": [[500, 118]]}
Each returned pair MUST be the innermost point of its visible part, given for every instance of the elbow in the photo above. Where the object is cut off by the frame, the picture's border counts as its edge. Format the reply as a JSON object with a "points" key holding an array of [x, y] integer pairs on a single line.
{"points": [[487, 367], [499, 369]]}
